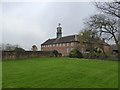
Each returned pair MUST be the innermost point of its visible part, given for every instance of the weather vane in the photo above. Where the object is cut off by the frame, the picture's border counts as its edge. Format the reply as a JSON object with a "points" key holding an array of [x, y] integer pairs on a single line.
{"points": [[59, 24]]}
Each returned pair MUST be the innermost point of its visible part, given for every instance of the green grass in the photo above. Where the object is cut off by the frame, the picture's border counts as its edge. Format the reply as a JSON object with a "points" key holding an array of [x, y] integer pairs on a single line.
{"points": [[59, 73], [0, 73]]}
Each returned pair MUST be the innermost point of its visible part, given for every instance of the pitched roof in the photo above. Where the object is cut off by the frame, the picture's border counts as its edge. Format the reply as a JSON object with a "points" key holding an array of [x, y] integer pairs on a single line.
{"points": [[65, 39]]}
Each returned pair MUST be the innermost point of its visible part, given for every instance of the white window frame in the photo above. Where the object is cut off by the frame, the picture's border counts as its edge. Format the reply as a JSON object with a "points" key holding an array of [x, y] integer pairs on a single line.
{"points": [[72, 44], [67, 44], [60, 44], [63, 44]]}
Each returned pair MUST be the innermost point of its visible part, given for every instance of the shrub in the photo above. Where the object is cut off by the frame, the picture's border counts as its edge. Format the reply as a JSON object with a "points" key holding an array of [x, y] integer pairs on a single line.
{"points": [[55, 52], [75, 54], [59, 54]]}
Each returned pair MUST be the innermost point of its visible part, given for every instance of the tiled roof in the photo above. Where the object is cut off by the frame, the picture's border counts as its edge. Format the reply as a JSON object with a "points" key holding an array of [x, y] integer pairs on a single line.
{"points": [[65, 39]]}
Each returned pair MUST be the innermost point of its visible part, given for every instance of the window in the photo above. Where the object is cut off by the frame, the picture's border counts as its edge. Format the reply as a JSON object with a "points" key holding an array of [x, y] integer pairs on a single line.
{"points": [[67, 44], [67, 50], [60, 44], [53, 45], [57, 45], [63, 44], [72, 44]]}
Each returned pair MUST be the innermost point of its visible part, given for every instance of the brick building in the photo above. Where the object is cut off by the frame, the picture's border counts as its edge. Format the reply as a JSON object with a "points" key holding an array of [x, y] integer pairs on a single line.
{"points": [[65, 44], [62, 44]]}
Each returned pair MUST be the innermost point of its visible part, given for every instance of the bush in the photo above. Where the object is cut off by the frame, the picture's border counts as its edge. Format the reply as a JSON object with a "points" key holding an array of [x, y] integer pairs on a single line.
{"points": [[75, 54], [55, 52], [59, 54]]}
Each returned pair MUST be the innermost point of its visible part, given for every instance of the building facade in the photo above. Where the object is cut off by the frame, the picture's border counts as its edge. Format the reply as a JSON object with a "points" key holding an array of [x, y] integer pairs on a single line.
{"points": [[62, 44], [65, 44]]}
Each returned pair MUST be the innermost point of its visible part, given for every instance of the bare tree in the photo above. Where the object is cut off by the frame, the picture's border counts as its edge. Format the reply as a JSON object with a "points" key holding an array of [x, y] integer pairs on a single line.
{"points": [[91, 40], [34, 48], [9, 47], [104, 24], [111, 8]]}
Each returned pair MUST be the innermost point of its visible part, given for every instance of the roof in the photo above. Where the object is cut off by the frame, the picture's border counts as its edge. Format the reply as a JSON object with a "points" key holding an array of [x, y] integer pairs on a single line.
{"points": [[65, 39]]}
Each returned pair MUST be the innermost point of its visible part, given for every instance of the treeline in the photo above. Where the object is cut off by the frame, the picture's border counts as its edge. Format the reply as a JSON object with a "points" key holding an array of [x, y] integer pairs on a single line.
{"points": [[11, 47]]}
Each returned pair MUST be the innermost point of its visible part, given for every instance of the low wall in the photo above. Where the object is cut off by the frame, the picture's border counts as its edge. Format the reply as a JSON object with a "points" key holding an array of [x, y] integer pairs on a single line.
{"points": [[26, 54]]}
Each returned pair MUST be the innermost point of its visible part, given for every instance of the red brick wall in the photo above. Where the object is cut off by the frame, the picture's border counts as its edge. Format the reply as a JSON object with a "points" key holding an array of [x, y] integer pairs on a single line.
{"points": [[61, 49], [26, 54], [65, 50], [107, 49]]}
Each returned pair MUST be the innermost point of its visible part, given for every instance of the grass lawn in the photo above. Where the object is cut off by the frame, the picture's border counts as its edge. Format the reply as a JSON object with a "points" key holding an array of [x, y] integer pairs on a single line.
{"points": [[0, 73], [59, 73]]}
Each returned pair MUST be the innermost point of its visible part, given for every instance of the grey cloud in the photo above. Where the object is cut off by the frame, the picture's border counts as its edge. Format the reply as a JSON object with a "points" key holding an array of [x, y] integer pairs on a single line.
{"points": [[32, 23]]}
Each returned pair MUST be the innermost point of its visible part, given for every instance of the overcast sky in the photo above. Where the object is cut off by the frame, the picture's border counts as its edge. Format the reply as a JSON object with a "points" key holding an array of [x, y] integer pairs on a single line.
{"points": [[29, 23]]}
